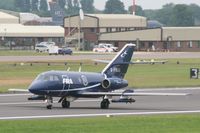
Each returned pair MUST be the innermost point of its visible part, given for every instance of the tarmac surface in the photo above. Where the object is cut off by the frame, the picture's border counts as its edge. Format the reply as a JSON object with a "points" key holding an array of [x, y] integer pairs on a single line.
{"points": [[16, 106], [141, 55]]}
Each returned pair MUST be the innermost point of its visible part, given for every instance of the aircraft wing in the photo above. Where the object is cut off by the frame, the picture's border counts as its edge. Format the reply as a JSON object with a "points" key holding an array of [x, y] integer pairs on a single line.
{"points": [[18, 90], [136, 62], [131, 94]]}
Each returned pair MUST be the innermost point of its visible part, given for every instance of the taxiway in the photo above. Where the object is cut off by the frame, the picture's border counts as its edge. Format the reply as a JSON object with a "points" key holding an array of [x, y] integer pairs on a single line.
{"points": [[16, 106]]}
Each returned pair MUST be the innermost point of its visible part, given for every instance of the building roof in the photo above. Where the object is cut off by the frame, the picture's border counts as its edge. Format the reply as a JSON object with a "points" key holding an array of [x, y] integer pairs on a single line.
{"points": [[116, 16], [26, 17], [18, 30], [7, 18], [181, 33], [106, 21]]}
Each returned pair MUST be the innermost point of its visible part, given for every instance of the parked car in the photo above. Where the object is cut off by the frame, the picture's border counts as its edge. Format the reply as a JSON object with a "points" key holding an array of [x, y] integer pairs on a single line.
{"points": [[65, 51], [53, 50], [102, 48], [44, 46], [108, 45]]}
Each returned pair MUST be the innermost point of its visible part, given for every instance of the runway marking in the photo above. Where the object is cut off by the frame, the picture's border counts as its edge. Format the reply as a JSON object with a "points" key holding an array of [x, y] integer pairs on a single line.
{"points": [[24, 103], [169, 89], [94, 115], [13, 95], [21, 103]]}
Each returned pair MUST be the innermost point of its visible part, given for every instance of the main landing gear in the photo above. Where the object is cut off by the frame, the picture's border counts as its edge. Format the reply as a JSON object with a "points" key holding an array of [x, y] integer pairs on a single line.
{"points": [[65, 103], [105, 104]]}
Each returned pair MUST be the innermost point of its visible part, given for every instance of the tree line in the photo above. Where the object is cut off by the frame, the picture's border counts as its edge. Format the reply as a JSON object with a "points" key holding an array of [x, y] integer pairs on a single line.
{"points": [[169, 15]]}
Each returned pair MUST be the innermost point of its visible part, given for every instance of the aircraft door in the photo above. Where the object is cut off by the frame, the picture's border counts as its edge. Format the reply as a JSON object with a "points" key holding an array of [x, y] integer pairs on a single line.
{"points": [[65, 81]]}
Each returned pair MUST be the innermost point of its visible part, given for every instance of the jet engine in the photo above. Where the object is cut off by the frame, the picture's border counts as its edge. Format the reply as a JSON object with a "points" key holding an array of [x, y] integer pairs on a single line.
{"points": [[114, 83]]}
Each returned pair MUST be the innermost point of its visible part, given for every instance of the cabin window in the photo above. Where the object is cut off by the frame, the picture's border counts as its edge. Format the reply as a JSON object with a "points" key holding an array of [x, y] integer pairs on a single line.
{"points": [[47, 77]]}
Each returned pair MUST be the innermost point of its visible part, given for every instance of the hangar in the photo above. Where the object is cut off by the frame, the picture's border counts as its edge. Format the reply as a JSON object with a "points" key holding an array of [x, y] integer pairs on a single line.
{"points": [[120, 29], [14, 35]]}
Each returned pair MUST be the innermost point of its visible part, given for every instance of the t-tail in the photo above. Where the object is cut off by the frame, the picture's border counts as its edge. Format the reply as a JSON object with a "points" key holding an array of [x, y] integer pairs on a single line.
{"points": [[120, 63]]}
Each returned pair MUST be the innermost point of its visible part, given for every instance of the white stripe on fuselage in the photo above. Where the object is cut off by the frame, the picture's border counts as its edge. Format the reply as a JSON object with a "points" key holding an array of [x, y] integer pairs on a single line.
{"points": [[77, 89]]}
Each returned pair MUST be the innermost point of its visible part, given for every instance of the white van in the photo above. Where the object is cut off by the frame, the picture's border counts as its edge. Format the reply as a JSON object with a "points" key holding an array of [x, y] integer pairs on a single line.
{"points": [[44, 46], [108, 45], [53, 50]]}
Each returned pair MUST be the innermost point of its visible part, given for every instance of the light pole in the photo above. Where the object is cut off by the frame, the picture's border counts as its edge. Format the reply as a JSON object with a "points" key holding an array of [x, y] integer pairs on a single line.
{"points": [[81, 17], [134, 7]]}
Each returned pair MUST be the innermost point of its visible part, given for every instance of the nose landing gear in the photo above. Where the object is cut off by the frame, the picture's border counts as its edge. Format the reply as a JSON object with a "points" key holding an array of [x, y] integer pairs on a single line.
{"points": [[49, 102]]}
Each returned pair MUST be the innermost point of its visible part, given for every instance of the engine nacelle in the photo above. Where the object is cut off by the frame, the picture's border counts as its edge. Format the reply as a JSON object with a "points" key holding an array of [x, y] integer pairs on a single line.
{"points": [[114, 83]]}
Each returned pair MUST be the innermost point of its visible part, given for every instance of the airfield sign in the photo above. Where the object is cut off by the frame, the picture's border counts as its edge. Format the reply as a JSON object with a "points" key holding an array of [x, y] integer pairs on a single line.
{"points": [[194, 73]]}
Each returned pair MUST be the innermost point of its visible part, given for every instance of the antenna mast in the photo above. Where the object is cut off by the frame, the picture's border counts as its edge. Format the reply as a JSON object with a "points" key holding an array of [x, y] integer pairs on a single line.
{"points": [[134, 7]]}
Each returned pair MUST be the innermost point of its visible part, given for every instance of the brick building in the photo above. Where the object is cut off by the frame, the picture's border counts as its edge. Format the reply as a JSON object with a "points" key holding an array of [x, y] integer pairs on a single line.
{"points": [[120, 29]]}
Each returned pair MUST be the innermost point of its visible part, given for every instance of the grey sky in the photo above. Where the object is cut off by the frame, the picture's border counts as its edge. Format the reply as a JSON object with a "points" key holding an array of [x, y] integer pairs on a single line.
{"points": [[147, 4]]}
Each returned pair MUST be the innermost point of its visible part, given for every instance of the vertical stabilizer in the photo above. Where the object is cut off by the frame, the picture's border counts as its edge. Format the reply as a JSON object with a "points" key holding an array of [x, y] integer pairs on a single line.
{"points": [[119, 65]]}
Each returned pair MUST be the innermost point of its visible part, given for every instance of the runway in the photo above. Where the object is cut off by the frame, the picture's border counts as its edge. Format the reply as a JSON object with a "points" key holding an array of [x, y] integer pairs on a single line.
{"points": [[14, 106], [106, 56]]}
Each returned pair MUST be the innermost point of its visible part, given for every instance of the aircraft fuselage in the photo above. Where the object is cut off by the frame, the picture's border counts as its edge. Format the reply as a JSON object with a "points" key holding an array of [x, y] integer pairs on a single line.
{"points": [[64, 83]]}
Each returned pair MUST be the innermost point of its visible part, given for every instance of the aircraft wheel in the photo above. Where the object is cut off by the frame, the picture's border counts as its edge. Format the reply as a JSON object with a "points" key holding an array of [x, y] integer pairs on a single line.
{"points": [[105, 104], [49, 106], [49, 102], [65, 104]]}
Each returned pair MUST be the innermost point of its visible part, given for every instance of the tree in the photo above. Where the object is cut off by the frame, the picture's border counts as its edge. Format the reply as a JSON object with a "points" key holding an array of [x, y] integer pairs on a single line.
{"points": [[76, 3], [182, 16], [72, 7], [139, 11], [114, 7], [164, 15], [43, 5], [23, 5], [34, 5], [62, 3], [87, 6], [195, 9], [8, 5]]}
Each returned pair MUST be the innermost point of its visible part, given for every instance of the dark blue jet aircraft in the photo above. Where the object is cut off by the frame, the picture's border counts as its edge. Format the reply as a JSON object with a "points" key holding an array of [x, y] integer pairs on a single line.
{"points": [[70, 86]]}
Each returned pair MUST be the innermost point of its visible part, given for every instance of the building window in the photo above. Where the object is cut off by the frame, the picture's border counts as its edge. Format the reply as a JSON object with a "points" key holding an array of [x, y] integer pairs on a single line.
{"points": [[178, 44], [118, 29], [190, 44], [93, 30], [108, 29], [127, 29], [198, 44]]}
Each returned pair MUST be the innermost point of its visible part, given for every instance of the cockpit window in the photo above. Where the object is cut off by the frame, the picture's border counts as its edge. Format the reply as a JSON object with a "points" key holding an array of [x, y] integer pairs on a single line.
{"points": [[48, 77]]}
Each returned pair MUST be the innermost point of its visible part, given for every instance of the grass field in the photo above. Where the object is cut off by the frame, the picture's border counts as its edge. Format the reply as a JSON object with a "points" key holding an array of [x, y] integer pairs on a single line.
{"points": [[34, 53], [20, 53], [139, 76], [126, 124]]}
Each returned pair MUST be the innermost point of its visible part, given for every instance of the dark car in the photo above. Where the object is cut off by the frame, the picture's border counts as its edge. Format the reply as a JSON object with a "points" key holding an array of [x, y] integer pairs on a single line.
{"points": [[65, 51]]}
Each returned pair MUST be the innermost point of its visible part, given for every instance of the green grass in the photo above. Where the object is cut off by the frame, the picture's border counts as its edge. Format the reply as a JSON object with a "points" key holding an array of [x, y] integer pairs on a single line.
{"points": [[33, 53], [139, 76], [126, 124], [20, 53]]}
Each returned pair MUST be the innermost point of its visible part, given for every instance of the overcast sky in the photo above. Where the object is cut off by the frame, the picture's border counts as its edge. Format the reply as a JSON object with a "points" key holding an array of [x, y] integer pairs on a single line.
{"points": [[147, 4]]}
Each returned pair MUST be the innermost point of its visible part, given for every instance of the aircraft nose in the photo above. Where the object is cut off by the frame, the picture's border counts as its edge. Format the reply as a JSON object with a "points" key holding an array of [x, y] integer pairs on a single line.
{"points": [[35, 88], [32, 89]]}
